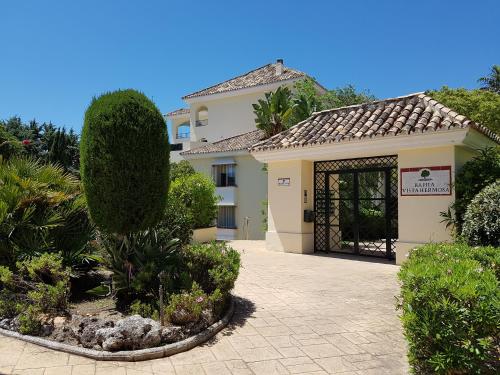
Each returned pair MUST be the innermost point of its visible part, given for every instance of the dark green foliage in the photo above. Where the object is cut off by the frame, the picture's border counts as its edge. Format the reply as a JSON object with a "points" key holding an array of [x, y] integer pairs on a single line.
{"points": [[197, 194], [9, 145], [474, 176], [481, 106], [482, 218], [345, 96], [144, 309], [181, 169], [137, 261], [178, 221], [450, 302], [125, 162], [213, 266], [307, 99], [44, 142], [42, 210]]}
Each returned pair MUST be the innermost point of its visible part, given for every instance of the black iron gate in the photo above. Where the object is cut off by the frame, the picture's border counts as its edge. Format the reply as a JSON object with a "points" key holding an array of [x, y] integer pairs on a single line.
{"points": [[356, 206]]}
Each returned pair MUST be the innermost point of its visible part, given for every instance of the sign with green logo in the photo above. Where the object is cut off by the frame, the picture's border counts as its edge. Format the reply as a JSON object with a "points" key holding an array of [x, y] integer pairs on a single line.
{"points": [[421, 181]]}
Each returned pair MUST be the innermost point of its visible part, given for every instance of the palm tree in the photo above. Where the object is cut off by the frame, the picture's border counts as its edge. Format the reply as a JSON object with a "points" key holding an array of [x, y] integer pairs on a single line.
{"points": [[275, 112], [42, 210], [492, 81]]}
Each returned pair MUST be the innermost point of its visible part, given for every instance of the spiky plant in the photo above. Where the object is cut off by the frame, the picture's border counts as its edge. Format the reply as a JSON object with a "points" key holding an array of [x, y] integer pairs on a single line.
{"points": [[41, 210], [275, 112]]}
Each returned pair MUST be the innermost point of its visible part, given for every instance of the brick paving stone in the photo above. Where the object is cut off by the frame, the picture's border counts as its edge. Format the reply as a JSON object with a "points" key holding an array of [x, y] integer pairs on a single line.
{"points": [[294, 314]]}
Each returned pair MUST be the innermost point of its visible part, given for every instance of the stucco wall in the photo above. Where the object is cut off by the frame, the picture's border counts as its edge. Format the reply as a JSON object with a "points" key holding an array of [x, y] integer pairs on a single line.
{"points": [[287, 230], [251, 190], [228, 115]]}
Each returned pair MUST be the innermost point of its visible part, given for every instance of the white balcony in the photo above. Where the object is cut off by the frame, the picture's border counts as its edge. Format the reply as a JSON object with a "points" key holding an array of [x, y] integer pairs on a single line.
{"points": [[227, 194]]}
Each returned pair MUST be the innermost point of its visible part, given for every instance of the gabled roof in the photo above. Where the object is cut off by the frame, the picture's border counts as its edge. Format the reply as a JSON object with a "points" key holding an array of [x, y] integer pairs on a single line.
{"points": [[237, 143], [266, 74], [180, 111], [412, 114]]}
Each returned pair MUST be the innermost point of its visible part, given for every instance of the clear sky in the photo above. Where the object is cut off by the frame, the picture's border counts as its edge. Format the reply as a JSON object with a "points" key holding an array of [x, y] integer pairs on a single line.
{"points": [[56, 55]]}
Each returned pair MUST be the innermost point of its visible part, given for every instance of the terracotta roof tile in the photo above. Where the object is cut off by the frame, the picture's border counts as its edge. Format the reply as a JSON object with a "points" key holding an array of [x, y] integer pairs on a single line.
{"points": [[416, 113], [261, 76], [237, 143], [180, 111]]}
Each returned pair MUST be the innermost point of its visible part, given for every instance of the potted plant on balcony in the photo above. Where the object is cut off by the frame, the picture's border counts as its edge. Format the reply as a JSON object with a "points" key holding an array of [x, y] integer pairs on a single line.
{"points": [[197, 194]]}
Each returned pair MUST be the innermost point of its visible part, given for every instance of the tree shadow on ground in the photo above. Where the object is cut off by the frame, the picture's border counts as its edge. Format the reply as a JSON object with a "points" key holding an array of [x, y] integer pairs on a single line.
{"points": [[243, 309], [358, 258]]}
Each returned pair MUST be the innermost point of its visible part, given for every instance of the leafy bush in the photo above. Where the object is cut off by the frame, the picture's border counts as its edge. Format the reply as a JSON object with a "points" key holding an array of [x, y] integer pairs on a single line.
{"points": [[474, 176], [482, 218], [29, 323], [213, 266], [197, 193], [449, 301], [481, 106], [178, 220], [42, 210], [125, 162], [186, 307], [181, 169], [146, 310]]}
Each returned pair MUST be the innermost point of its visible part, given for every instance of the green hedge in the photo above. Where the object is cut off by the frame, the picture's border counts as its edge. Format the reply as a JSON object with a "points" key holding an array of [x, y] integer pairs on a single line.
{"points": [[125, 162], [198, 196], [482, 218], [450, 302]]}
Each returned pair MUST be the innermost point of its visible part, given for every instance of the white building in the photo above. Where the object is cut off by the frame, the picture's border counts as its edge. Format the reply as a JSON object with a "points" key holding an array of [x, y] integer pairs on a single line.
{"points": [[214, 135]]}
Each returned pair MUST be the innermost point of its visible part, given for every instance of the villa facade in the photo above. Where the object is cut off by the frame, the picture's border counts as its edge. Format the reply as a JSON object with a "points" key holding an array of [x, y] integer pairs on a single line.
{"points": [[370, 179], [214, 133]]}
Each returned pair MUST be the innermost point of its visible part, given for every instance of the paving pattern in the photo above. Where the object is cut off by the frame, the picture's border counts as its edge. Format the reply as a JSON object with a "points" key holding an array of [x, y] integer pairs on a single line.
{"points": [[295, 314]]}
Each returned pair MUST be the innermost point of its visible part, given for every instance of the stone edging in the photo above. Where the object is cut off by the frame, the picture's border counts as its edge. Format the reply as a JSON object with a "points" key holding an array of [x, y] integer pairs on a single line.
{"points": [[130, 355]]}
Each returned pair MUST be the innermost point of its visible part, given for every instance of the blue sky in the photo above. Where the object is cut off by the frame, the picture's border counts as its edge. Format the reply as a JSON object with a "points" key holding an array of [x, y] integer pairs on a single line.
{"points": [[57, 55]]}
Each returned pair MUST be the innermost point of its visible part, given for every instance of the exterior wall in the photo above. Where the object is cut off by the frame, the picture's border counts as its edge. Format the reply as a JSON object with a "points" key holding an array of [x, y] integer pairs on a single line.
{"points": [[287, 230], [250, 191], [175, 122], [419, 219]]}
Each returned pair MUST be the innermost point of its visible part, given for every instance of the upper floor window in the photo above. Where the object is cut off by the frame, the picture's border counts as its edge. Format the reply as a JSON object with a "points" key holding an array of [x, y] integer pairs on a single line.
{"points": [[224, 175], [183, 131], [201, 116]]}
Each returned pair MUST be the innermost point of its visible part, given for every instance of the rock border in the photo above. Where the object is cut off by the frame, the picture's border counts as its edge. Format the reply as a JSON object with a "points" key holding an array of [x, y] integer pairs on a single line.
{"points": [[131, 355]]}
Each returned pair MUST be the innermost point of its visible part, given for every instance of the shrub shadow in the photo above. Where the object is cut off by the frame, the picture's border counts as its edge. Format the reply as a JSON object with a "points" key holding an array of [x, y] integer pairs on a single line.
{"points": [[243, 309]]}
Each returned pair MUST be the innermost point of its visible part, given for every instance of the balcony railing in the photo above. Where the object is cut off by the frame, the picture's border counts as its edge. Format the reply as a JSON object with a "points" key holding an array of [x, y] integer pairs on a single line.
{"points": [[176, 147], [182, 135], [201, 122]]}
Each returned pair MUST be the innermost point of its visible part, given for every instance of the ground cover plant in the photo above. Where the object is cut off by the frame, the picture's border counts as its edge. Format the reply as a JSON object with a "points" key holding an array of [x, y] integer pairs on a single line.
{"points": [[450, 304]]}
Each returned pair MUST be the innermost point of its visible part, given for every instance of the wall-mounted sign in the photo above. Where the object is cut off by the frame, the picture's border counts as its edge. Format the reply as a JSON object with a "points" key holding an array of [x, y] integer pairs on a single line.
{"points": [[284, 181], [426, 181]]}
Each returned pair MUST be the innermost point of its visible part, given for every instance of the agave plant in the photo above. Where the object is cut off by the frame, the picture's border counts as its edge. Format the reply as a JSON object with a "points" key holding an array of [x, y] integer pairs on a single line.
{"points": [[42, 210], [140, 261]]}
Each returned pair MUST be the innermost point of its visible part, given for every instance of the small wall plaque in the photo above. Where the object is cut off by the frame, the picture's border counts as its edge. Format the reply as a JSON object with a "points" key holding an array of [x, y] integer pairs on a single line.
{"points": [[421, 181], [284, 181]]}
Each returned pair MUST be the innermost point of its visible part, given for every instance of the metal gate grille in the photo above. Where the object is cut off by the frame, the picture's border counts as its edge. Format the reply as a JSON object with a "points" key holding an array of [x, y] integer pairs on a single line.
{"points": [[356, 206]]}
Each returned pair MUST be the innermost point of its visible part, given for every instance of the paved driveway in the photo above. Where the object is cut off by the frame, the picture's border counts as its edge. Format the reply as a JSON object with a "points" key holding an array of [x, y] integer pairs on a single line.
{"points": [[295, 314]]}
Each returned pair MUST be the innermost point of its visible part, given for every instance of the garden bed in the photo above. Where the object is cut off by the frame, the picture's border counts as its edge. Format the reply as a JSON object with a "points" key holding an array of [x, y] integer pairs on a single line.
{"points": [[164, 350]]}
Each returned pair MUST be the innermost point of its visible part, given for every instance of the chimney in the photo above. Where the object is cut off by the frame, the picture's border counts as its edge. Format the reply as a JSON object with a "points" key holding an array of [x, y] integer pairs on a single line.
{"points": [[279, 67]]}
